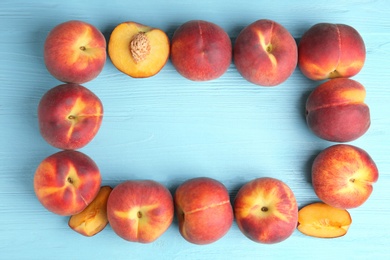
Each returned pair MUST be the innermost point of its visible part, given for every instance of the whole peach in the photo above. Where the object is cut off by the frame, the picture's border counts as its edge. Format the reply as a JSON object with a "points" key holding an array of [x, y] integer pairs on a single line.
{"points": [[265, 53], [69, 116], [329, 50], [75, 52], [140, 210], [203, 210], [201, 50], [67, 182], [266, 210], [343, 175], [335, 110]]}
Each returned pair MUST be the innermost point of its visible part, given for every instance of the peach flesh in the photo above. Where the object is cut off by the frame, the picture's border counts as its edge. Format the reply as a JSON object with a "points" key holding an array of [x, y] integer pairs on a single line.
{"points": [[93, 218], [323, 221], [138, 50]]}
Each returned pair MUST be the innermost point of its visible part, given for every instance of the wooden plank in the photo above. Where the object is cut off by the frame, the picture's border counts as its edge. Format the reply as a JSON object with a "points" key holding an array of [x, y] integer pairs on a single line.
{"points": [[170, 129]]}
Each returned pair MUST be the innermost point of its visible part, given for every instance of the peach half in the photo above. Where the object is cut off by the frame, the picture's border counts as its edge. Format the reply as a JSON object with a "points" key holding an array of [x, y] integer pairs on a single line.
{"points": [[203, 210], [138, 50]]}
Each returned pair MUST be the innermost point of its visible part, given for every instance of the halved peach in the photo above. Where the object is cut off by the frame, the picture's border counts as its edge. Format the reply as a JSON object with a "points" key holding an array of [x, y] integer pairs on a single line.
{"points": [[93, 218], [138, 50], [323, 221]]}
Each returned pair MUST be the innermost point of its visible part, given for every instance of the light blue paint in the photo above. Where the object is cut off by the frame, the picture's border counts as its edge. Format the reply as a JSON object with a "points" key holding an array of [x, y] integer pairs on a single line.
{"points": [[169, 129]]}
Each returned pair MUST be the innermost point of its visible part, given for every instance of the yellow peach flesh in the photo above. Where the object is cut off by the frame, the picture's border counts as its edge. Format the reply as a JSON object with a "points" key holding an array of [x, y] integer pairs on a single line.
{"points": [[137, 50], [93, 218], [323, 221]]}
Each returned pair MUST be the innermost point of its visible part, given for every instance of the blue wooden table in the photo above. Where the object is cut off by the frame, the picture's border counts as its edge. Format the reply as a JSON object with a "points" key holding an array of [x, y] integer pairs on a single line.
{"points": [[170, 129]]}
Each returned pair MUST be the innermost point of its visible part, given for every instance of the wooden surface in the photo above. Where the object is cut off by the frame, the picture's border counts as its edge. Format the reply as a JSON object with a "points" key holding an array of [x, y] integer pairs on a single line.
{"points": [[170, 129]]}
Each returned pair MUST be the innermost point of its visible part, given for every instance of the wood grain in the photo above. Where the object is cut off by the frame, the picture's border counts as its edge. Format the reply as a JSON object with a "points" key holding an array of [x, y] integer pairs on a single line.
{"points": [[170, 129]]}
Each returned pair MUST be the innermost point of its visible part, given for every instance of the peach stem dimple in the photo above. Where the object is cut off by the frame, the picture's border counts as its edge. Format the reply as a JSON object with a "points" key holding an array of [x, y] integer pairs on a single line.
{"points": [[269, 48], [334, 74]]}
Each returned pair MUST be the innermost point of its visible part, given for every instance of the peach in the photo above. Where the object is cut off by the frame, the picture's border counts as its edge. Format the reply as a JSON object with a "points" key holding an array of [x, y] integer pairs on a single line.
{"points": [[265, 53], [266, 210], [75, 52], [201, 50], [203, 210], [138, 50], [93, 218], [66, 182], [343, 176], [140, 210], [323, 221], [335, 110], [331, 51], [69, 116]]}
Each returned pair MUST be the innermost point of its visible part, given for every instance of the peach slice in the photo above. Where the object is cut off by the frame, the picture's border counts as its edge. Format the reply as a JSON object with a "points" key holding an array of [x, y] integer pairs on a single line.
{"points": [[138, 50], [93, 218], [323, 221]]}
